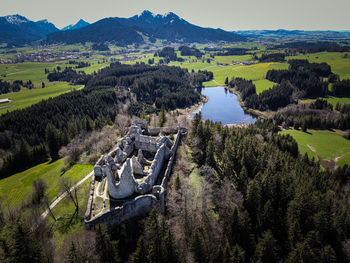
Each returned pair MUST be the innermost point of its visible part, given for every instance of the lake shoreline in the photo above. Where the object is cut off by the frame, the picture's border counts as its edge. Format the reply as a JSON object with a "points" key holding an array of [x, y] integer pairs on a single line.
{"points": [[224, 107]]}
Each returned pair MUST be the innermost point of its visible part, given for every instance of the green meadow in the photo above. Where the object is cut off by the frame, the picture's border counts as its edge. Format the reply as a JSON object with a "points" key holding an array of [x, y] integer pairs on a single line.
{"points": [[331, 100], [339, 65], [231, 59], [17, 188], [33, 71], [65, 210], [263, 84], [326, 144], [26, 98], [256, 72]]}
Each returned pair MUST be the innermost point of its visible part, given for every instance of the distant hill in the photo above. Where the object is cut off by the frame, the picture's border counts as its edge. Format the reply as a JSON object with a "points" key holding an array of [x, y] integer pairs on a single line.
{"points": [[139, 28], [294, 34], [80, 24], [18, 30]]}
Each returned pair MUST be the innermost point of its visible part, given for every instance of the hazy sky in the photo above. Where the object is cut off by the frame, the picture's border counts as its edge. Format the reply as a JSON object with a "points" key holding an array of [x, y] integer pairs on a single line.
{"points": [[226, 14]]}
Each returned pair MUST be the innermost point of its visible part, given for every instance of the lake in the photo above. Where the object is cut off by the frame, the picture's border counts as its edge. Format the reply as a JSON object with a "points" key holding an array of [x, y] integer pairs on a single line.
{"points": [[223, 106]]}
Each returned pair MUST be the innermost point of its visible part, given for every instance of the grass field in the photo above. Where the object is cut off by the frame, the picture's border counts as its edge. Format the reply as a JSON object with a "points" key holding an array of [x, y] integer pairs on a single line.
{"points": [[26, 98], [230, 59], [328, 145], [16, 188], [256, 72], [339, 65], [65, 209], [263, 84], [33, 71], [331, 100], [335, 100]]}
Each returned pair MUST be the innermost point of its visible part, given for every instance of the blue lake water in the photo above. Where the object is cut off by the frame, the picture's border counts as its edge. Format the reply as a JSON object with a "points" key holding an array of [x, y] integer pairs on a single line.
{"points": [[223, 106]]}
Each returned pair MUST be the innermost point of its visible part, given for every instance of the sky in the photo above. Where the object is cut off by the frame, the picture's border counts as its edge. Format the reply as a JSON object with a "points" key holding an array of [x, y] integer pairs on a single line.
{"points": [[226, 14]]}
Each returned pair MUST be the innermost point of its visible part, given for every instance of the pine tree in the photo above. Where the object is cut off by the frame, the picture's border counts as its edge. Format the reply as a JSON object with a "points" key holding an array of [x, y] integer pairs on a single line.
{"points": [[24, 155], [162, 116], [210, 159], [106, 249], [140, 255], [53, 141], [226, 81], [75, 255], [267, 248], [170, 253], [24, 248], [153, 237], [197, 247], [177, 182], [237, 255]]}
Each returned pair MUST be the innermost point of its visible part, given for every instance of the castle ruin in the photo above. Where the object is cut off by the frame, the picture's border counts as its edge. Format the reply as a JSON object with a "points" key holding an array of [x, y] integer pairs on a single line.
{"points": [[132, 178]]}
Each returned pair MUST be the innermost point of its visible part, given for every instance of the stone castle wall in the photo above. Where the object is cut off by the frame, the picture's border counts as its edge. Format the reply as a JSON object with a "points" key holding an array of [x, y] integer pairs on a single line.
{"points": [[140, 205], [126, 185]]}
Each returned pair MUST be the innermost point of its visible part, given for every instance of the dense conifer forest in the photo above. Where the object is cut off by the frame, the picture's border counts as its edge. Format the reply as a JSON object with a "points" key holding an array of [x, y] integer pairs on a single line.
{"points": [[259, 201], [54, 122]]}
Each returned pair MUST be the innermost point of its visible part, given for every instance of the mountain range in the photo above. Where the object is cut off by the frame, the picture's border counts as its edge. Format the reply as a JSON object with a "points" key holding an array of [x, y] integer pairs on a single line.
{"points": [[80, 24], [16, 29], [294, 34], [146, 27], [140, 28]]}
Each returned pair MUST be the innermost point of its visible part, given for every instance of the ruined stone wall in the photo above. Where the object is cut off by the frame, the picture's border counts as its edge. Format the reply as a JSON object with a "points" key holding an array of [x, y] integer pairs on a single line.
{"points": [[139, 206], [126, 185], [91, 196], [146, 143], [171, 160], [157, 164]]}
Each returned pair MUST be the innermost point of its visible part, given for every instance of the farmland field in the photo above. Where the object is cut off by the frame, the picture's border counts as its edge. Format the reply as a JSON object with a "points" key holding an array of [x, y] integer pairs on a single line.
{"points": [[328, 145], [26, 98], [256, 72], [16, 188], [263, 84], [339, 65], [33, 71]]}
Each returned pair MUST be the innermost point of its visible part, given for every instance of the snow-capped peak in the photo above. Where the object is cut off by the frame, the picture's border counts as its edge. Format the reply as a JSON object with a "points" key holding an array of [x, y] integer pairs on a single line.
{"points": [[16, 19]]}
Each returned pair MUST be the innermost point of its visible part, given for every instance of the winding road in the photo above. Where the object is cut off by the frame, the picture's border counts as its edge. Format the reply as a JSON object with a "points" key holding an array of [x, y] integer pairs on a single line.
{"points": [[59, 199]]}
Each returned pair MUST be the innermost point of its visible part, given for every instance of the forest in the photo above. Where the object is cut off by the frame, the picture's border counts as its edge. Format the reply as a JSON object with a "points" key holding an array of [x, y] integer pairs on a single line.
{"points": [[274, 57], [258, 201], [313, 46], [52, 123], [168, 53], [15, 86], [70, 75], [302, 80], [190, 51], [288, 210]]}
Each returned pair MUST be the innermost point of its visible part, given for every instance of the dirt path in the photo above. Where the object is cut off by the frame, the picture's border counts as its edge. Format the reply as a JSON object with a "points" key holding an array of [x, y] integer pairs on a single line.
{"points": [[311, 148], [59, 199]]}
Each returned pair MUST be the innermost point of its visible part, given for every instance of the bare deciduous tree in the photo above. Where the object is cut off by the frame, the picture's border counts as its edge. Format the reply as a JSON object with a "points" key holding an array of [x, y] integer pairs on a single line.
{"points": [[38, 191], [85, 244], [66, 185]]}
